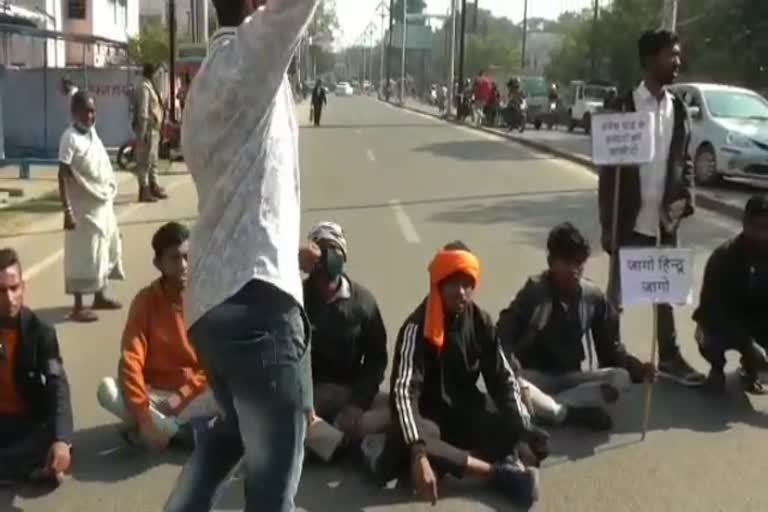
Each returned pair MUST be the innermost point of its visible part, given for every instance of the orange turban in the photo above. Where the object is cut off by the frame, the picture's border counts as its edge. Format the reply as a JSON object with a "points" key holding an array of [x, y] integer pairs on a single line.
{"points": [[444, 265]]}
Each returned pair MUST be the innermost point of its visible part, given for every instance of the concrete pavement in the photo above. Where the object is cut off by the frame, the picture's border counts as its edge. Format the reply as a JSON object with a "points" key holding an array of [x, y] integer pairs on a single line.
{"points": [[402, 185]]}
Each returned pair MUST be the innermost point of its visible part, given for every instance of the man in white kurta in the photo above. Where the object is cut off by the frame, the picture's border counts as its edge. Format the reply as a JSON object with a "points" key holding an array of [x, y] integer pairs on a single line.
{"points": [[92, 251]]}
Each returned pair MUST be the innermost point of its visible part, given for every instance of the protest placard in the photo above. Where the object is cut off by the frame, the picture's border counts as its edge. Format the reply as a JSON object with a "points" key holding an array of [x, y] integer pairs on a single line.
{"points": [[623, 139], [658, 275]]}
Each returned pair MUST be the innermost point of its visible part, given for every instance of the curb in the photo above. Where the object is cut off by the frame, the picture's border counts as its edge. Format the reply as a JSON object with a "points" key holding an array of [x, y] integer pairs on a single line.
{"points": [[704, 199]]}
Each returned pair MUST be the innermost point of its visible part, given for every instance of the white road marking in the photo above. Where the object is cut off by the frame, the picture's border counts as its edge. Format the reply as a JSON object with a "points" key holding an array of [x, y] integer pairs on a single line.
{"points": [[371, 156], [31, 272], [404, 221], [53, 258]]}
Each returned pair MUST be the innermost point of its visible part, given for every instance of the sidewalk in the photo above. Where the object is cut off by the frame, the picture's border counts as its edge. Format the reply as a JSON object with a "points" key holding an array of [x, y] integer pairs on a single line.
{"points": [[727, 199], [37, 198]]}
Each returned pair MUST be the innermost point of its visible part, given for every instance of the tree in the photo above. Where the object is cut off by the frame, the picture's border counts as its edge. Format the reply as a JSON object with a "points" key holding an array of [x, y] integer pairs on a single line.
{"points": [[413, 6], [150, 46]]}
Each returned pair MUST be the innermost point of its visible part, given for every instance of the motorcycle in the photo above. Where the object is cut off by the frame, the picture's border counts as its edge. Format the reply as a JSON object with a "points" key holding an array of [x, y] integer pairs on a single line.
{"points": [[170, 142], [516, 116]]}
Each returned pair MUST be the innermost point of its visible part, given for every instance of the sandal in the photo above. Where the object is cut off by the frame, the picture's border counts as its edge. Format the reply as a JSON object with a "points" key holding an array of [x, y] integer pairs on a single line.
{"points": [[106, 304], [752, 384], [83, 316]]}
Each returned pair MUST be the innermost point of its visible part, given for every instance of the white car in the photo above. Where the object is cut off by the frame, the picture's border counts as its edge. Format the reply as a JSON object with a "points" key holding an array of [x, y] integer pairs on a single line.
{"points": [[729, 131], [344, 89], [586, 100]]}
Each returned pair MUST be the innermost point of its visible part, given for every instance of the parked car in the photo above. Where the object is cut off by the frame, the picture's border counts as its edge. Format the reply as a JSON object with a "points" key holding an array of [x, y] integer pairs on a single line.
{"points": [[585, 100], [729, 131], [344, 89]]}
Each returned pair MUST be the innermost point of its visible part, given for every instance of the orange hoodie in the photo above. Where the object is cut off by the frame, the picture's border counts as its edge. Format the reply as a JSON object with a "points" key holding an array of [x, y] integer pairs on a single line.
{"points": [[156, 353]]}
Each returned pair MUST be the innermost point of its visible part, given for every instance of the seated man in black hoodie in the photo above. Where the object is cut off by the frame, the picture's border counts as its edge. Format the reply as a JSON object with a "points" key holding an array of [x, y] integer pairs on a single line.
{"points": [[349, 341], [732, 312], [441, 415], [35, 410], [557, 322]]}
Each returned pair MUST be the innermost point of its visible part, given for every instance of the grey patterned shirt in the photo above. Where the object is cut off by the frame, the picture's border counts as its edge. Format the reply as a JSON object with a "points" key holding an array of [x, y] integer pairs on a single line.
{"points": [[240, 143]]}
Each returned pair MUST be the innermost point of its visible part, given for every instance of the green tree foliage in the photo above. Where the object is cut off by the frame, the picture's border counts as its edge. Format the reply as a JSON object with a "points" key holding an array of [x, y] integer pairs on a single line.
{"points": [[413, 6], [722, 40], [150, 46]]}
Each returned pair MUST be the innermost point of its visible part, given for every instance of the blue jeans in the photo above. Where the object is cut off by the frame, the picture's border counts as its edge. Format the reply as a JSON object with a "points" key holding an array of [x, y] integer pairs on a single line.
{"points": [[255, 350]]}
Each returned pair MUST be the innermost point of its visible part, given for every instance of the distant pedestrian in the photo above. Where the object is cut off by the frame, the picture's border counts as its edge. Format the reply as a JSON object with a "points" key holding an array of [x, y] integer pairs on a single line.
{"points": [[148, 122], [653, 198], [87, 186], [319, 100]]}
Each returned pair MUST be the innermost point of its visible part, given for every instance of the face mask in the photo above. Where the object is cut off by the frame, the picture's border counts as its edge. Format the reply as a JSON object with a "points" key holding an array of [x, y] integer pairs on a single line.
{"points": [[331, 264]]}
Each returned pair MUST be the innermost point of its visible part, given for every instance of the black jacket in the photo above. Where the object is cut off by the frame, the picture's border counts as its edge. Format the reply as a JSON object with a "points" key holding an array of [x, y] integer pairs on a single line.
{"points": [[40, 376], [734, 293], [549, 337], [679, 183], [349, 341], [433, 384]]}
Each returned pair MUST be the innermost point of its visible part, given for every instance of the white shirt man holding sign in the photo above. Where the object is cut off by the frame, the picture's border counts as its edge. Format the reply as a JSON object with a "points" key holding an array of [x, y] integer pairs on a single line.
{"points": [[643, 197]]}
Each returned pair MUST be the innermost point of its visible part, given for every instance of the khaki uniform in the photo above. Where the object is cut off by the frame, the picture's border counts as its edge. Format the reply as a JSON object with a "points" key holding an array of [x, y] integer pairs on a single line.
{"points": [[149, 119]]}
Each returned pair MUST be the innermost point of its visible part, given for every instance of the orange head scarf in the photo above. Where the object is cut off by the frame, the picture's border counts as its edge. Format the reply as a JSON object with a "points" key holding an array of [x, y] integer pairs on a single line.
{"points": [[445, 264]]}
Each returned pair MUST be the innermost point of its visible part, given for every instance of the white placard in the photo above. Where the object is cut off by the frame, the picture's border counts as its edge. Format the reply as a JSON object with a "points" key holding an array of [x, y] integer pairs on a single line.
{"points": [[623, 139], [656, 276]]}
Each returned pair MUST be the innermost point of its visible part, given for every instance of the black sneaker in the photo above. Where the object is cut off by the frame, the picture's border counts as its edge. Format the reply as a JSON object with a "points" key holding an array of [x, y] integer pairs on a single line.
{"points": [[676, 368], [521, 484], [593, 418], [751, 383]]}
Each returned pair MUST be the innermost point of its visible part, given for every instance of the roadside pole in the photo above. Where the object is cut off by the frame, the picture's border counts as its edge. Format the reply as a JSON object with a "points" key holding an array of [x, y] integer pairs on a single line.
{"points": [[405, 42], [452, 66], [669, 15]]}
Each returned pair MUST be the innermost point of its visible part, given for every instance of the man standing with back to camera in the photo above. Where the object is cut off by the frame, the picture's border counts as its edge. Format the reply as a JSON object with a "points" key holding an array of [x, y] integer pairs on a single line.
{"points": [[240, 141]]}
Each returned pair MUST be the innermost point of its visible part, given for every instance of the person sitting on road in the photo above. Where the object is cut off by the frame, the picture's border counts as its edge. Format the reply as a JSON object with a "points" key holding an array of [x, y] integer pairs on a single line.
{"points": [[442, 416], [556, 322], [35, 409], [349, 340], [734, 294], [161, 393]]}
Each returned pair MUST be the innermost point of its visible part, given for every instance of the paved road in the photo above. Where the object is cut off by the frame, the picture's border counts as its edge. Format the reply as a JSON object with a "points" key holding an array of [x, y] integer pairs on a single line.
{"points": [[728, 197], [402, 185]]}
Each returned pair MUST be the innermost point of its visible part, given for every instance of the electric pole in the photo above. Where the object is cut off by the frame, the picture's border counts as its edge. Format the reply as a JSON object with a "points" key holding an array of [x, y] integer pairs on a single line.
{"points": [[462, 41], [172, 51], [452, 66], [669, 15], [593, 49], [525, 35], [382, 12], [405, 42], [389, 48]]}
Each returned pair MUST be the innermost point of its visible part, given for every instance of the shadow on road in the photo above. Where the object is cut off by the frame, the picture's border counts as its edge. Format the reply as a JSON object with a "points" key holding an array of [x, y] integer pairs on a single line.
{"points": [[55, 315], [542, 211], [346, 488], [481, 151], [102, 456], [437, 200], [377, 126], [674, 408]]}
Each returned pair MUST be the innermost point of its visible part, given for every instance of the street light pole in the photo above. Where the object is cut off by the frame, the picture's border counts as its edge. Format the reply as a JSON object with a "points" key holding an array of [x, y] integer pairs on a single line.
{"points": [[525, 35], [452, 67], [669, 15], [172, 50], [383, 33], [593, 45], [389, 47], [405, 42], [462, 37]]}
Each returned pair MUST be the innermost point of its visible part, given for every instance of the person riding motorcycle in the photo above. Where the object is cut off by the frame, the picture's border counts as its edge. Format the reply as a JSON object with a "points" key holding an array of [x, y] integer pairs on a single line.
{"points": [[515, 103]]}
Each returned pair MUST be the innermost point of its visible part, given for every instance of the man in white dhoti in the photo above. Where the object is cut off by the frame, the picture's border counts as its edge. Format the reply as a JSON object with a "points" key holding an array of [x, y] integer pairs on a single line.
{"points": [[87, 186]]}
